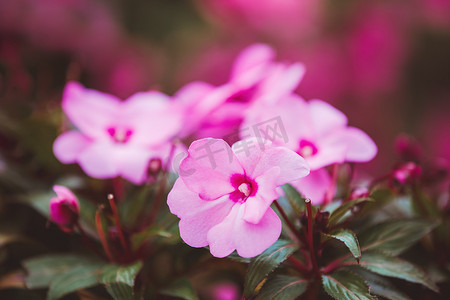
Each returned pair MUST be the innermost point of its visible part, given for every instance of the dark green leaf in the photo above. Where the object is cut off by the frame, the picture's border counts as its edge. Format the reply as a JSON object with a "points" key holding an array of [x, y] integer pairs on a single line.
{"points": [[77, 278], [381, 286], [119, 280], [283, 287], [349, 238], [395, 236], [18, 294], [338, 214], [296, 200], [265, 263], [343, 285], [45, 269], [181, 288], [139, 238], [390, 266]]}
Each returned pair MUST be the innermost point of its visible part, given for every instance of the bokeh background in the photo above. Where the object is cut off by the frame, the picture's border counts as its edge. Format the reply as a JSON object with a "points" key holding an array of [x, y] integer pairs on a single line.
{"points": [[384, 63]]}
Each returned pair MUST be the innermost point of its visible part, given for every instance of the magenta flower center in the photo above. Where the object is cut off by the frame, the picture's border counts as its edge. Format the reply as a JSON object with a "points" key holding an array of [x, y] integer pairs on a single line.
{"points": [[307, 149], [244, 187], [120, 134]]}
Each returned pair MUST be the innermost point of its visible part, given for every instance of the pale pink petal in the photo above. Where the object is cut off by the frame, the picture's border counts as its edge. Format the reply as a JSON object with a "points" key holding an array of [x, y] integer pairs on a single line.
{"points": [[292, 166], [252, 239], [329, 152], [361, 147], [208, 168], [257, 205], [152, 117], [93, 112], [197, 216], [250, 63], [281, 81], [98, 160], [314, 186], [191, 93], [68, 146], [221, 237], [325, 117], [132, 162]]}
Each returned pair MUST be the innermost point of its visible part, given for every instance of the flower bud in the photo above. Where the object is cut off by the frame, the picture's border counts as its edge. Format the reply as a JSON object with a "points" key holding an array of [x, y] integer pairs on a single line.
{"points": [[408, 148], [407, 173], [359, 192], [64, 208]]}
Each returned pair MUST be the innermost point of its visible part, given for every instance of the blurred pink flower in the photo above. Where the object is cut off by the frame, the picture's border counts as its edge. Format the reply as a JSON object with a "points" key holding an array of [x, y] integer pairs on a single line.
{"points": [[64, 208], [281, 19], [116, 138], [255, 76], [318, 132], [225, 291], [223, 194]]}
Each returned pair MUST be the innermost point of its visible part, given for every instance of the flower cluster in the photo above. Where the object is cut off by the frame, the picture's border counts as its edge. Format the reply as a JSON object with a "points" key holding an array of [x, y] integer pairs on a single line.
{"points": [[223, 194]]}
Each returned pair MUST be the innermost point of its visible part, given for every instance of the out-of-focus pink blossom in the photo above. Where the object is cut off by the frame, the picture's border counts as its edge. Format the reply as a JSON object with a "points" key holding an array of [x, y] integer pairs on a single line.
{"points": [[225, 291], [114, 137], [281, 19], [64, 208], [255, 76], [223, 194], [318, 132]]}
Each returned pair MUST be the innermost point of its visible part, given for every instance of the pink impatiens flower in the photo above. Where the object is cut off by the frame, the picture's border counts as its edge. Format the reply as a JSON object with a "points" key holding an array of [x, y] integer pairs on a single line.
{"points": [[319, 133], [64, 208], [255, 76], [116, 138], [223, 194]]}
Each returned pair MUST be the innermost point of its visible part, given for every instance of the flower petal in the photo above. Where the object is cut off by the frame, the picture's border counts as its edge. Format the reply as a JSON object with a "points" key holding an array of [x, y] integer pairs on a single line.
{"points": [[325, 117], [361, 148], [252, 239], [98, 160], [69, 145], [152, 117], [314, 186], [132, 162], [89, 110], [197, 216], [208, 168]]}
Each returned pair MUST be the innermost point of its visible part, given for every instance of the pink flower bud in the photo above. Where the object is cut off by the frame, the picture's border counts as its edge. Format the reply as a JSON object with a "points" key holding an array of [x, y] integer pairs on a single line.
{"points": [[64, 208], [406, 174], [359, 192]]}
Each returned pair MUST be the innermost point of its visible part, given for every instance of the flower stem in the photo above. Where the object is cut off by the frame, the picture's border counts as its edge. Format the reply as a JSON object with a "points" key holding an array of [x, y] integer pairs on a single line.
{"points": [[123, 242], [311, 238], [299, 265], [286, 219], [119, 189], [162, 187], [101, 234]]}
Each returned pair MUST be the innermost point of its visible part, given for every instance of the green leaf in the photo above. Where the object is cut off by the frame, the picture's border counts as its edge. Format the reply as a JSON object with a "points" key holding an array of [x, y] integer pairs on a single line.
{"points": [[381, 286], [390, 266], [296, 200], [283, 287], [343, 285], [181, 288], [139, 238], [119, 280], [395, 236], [45, 269], [338, 214], [77, 278], [350, 240], [265, 263]]}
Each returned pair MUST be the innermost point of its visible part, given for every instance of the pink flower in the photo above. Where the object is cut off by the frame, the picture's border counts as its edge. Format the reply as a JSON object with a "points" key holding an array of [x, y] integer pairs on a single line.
{"points": [[218, 111], [318, 132], [223, 194], [64, 208], [116, 138]]}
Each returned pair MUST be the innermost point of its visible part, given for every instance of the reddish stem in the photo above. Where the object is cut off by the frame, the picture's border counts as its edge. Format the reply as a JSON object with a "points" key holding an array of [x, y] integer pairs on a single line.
{"points": [[119, 189], [310, 237], [101, 234], [162, 187], [285, 217], [123, 242], [299, 265]]}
